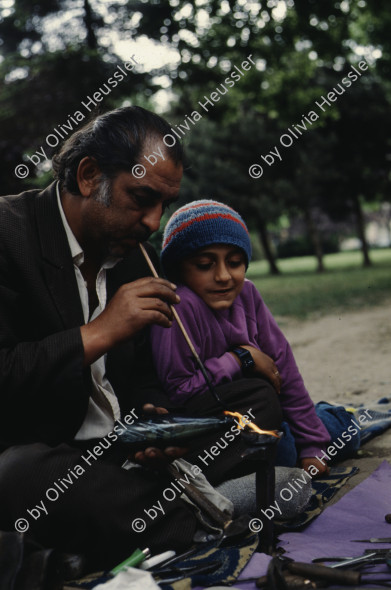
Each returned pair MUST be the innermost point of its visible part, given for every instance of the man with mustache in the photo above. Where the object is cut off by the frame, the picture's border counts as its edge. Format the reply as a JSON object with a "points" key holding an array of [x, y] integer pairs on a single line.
{"points": [[75, 299]]}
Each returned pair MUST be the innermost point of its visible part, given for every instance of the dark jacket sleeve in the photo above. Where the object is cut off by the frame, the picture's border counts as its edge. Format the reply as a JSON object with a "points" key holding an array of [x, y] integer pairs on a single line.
{"points": [[43, 385], [44, 388]]}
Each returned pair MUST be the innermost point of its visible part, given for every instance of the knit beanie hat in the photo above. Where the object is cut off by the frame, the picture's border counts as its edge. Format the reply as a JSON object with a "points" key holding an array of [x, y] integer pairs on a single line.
{"points": [[200, 224]]}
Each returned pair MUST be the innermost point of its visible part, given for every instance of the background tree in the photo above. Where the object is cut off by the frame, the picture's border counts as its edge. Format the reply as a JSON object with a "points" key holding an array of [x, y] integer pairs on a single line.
{"points": [[55, 54], [218, 157], [58, 52], [302, 49]]}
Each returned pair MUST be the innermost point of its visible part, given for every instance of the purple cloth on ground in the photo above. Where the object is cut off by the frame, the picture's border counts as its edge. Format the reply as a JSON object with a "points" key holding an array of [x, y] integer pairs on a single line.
{"points": [[256, 567], [358, 515]]}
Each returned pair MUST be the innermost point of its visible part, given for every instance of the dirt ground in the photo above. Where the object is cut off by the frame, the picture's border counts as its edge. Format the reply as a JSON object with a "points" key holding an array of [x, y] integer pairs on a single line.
{"points": [[347, 358]]}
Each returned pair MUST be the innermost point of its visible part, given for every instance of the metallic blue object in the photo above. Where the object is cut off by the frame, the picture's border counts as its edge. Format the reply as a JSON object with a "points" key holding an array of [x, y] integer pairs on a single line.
{"points": [[166, 429]]}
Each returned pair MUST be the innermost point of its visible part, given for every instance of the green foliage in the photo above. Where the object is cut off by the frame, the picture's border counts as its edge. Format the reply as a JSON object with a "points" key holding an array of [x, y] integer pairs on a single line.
{"points": [[218, 166], [303, 246], [46, 78], [300, 291], [57, 53]]}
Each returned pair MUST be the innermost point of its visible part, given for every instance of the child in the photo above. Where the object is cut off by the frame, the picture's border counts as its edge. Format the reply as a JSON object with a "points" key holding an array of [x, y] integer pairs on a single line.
{"points": [[206, 250]]}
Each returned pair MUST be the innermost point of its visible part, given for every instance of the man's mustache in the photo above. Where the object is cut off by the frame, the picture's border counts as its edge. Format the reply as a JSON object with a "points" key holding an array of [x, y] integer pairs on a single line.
{"points": [[141, 236]]}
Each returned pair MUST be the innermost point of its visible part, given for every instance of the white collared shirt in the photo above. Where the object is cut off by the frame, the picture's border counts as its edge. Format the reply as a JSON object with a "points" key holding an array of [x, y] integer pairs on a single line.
{"points": [[103, 407]]}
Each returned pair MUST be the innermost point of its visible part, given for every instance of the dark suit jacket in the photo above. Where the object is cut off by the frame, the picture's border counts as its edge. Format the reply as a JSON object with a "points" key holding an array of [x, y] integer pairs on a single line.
{"points": [[44, 388]]}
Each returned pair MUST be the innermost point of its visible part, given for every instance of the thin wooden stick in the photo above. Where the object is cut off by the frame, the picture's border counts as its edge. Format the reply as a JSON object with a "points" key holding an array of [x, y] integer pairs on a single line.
{"points": [[174, 311], [184, 332]]}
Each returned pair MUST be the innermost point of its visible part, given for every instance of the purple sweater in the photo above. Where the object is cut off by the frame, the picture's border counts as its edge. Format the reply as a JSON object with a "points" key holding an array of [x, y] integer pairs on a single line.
{"points": [[247, 321]]}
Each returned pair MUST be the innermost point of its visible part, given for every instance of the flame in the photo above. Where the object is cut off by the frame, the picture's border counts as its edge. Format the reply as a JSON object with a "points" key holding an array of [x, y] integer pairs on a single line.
{"points": [[252, 426]]}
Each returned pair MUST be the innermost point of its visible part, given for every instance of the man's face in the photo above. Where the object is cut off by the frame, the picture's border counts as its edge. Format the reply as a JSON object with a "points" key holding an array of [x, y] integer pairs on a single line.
{"points": [[135, 208]]}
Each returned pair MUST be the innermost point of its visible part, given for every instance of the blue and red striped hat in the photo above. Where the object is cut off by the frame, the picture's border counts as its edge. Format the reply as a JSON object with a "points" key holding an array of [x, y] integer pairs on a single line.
{"points": [[199, 224]]}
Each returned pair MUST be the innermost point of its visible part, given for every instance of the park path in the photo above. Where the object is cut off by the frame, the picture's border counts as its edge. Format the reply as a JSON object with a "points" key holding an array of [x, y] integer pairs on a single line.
{"points": [[345, 356]]}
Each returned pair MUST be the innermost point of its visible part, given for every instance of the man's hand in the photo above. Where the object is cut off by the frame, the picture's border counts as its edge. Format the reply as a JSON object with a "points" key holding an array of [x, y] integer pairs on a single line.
{"points": [[307, 462], [156, 458], [265, 366], [134, 306], [151, 409]]}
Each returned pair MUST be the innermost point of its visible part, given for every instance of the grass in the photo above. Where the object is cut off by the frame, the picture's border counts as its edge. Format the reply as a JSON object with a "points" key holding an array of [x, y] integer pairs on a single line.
{"points": [[300, 291]]}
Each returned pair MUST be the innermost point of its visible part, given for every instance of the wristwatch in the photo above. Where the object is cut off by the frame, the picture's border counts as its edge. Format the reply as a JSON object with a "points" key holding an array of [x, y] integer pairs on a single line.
{"points": [[246, 360]]}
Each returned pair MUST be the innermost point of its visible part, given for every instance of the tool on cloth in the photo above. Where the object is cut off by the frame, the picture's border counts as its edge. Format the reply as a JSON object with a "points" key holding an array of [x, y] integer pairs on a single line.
{"points": [[130, 564], [171, 575], [370, 557], [322, 572], [157, 560], [231, 529], [387, 518], [290, 580], [378, 551], [278, 566], [373, 540], [134, 560], [185, 334], [177, 558], [278, 577], [263, 449], [360, 565]]}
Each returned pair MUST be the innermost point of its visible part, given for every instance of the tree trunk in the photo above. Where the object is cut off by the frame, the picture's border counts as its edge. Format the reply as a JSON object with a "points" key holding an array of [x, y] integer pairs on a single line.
{"points": [[265, 241], [314, 237], [361, 230], [386, 213], [92, 41]]}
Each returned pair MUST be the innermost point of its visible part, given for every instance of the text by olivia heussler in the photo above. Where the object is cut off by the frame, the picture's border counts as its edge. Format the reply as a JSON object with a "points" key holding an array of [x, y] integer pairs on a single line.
{"points": [[60, 486]]}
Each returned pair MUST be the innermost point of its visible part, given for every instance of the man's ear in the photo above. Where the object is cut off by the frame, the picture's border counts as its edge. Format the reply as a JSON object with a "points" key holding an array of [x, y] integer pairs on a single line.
{"points": [[88, 174]]}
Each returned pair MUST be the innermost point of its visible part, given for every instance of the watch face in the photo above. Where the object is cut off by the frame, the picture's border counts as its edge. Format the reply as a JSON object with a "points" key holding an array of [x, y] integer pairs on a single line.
{"points": [[248, 363], [245, 358]]}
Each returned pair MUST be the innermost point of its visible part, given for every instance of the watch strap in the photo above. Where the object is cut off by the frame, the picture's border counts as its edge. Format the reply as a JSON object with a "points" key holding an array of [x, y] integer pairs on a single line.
{"points": [[245, 358]]}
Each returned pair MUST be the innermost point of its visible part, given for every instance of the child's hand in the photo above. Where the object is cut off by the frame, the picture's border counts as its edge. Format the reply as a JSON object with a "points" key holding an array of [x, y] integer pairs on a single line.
{"points": [[322, 468], [264, 365]]}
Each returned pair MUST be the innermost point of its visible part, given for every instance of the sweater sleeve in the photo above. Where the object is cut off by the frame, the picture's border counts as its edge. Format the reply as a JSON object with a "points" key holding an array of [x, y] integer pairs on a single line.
{"points": [[310, 434], [174, 362]]}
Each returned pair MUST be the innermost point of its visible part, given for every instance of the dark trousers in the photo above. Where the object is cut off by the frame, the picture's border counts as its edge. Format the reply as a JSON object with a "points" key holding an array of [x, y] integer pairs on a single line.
{"points": [[92, 512], [256, 395]]}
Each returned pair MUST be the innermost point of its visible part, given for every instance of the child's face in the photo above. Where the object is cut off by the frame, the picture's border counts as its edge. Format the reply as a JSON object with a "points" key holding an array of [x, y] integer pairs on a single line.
{"points": [[216, 274]]}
